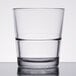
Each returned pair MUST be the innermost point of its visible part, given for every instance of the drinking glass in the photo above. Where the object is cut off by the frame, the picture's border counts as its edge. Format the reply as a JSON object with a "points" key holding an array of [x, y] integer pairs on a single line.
{"points": [[38, 36]]}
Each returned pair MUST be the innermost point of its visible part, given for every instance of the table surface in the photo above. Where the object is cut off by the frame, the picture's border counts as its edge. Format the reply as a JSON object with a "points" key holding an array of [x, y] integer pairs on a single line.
{"points": [[10, 69]]}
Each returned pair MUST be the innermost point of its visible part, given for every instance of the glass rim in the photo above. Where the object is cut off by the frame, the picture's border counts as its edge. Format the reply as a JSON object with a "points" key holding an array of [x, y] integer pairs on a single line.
{"points": [[38, 8]]}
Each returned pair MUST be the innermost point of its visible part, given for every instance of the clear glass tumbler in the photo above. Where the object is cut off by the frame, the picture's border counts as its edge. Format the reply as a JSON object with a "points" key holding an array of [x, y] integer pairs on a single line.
{"points": [[38, 35]]}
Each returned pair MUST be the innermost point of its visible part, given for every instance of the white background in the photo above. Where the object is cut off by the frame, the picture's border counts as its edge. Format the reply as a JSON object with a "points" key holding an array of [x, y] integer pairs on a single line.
{"points": [[7, 34]]}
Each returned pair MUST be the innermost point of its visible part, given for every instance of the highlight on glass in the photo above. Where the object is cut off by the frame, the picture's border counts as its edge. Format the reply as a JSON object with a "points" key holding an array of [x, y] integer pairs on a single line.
{"points": [[38, 36]]}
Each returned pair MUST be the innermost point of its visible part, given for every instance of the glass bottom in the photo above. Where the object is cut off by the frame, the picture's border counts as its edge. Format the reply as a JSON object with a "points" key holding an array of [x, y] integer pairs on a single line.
{"points": [[38, 62], [38, 71]]}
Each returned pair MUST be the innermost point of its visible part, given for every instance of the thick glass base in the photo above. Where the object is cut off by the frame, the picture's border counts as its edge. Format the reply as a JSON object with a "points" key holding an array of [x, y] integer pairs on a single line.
{"points": [[38, 62], [38, 71]]}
